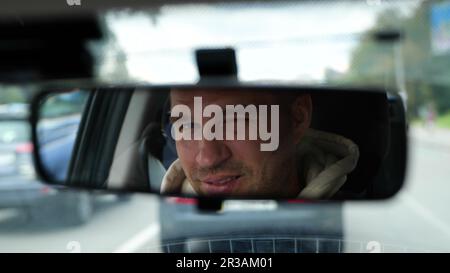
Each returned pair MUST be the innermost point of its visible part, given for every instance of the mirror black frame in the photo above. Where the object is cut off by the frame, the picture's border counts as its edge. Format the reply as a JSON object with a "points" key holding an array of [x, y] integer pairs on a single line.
{"points": [[223, 83], [34, 120]]}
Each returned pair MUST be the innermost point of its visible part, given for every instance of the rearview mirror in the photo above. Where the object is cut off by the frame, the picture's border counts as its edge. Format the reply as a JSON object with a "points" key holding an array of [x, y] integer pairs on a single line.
{"points": [[242, 141]]}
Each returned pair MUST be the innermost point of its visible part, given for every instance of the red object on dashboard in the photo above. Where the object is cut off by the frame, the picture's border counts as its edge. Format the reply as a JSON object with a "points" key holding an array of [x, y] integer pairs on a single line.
{"points": [[181, 200], [24, 148]]}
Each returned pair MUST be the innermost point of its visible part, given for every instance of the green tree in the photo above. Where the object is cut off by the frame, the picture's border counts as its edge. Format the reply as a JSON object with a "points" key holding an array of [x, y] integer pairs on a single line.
{"points": [[426, 76], [12, 94]]}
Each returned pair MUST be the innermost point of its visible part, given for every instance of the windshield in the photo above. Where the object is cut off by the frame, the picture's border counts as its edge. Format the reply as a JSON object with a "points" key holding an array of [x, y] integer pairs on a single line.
{"points": [[396, 45], [315, 41], [401, 46]]}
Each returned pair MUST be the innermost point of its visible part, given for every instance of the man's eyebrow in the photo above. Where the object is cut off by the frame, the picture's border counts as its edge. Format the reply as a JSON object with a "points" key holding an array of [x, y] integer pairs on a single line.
{"points": [[173, 119], [182, 100], [223, 108]]}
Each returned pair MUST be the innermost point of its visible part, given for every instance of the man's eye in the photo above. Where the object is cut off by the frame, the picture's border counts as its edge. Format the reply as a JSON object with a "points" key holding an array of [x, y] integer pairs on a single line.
{"points": [[189, 125], [236, 119]]}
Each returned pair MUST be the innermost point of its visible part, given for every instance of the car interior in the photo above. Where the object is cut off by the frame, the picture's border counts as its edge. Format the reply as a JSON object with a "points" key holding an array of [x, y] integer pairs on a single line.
{"points": [[376, 71]]}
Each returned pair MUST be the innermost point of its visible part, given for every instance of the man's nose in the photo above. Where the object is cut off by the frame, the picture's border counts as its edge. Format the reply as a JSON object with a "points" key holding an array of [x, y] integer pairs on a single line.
{"points": [[212, 153]]}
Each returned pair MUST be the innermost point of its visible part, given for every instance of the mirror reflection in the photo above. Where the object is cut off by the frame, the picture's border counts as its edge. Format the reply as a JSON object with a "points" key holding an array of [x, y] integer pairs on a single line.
{"points": [[253, 143], [227, 142]]}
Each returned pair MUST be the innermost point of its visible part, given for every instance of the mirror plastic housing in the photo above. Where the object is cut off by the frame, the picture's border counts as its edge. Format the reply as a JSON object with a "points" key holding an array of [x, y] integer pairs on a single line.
{"points": [[373, 119]]}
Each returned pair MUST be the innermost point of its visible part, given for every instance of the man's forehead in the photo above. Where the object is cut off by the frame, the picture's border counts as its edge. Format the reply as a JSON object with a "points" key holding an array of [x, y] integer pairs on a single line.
{"points": [[221, 97]]}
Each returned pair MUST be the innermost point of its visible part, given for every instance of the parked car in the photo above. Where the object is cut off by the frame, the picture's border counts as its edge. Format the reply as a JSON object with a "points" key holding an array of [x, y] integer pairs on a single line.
{"points": [[19, 186], [14, 141]]}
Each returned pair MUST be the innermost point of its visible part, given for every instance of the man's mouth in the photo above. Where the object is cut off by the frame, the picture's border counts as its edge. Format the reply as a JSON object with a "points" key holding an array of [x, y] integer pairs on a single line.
{"points": [[220, 184]]}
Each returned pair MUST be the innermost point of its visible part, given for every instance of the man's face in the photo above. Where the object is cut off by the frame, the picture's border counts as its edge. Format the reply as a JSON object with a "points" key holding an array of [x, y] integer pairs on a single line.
{"points": [[239, 167]]}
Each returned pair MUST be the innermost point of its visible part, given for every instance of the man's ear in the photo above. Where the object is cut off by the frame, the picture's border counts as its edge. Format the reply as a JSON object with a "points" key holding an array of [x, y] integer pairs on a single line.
{"points": [[301, 111]]}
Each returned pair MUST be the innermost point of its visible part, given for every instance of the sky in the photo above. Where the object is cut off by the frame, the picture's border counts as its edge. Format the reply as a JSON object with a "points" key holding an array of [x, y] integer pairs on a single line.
{"points": [[282, 41]]}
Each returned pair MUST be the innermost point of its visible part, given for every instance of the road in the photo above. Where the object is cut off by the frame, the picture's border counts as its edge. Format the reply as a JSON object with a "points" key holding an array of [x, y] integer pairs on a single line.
{"points": [[112, 228], [417, 219]]}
